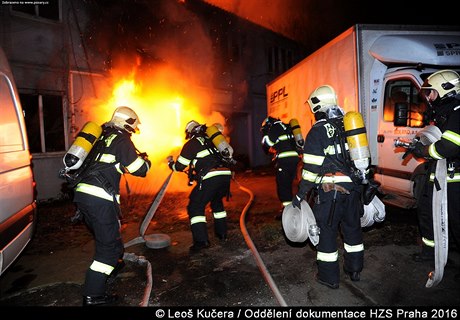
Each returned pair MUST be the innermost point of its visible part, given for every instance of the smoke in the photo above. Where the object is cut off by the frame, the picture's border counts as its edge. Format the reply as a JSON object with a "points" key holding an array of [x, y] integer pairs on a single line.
{"points": [[310, 23], [160, 59], [150, 33], [313, 22]]}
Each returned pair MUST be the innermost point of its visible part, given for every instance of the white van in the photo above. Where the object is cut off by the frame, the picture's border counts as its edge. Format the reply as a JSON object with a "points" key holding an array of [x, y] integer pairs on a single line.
{"points": [[17, 186]]}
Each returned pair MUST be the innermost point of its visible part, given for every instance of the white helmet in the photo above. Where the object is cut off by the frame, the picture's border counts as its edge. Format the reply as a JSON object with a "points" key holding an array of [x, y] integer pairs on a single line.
{"points": [[125, 118], [191, 128], [322, 98], [445, 82]]}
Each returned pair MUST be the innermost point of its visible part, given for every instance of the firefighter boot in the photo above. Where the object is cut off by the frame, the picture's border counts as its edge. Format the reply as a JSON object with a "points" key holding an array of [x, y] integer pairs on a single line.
{"points": [[107, 299], [199, 245], [325, 283], [354, 276]]}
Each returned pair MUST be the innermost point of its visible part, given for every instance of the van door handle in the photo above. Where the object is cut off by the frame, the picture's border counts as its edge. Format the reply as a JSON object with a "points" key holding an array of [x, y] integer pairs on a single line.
{"points": [[380, 138]]}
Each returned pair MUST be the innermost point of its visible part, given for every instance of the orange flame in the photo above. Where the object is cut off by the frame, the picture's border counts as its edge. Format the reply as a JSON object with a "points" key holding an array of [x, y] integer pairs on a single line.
{"points": [[164, 109]]}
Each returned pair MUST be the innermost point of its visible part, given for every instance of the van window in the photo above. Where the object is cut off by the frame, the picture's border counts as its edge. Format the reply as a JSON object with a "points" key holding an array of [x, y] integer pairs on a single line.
{"points": [[404, 91], [44, 122], [10, 131]]}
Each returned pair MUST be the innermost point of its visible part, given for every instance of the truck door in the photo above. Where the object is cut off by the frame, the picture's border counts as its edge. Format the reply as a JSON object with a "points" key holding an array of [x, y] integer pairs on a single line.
{"points": [[394, 171]]}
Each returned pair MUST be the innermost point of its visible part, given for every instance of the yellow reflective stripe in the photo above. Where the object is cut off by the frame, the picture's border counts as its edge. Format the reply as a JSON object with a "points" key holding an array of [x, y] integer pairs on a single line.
{"points": [[101, 267], [452, 137], [427, 242], [95, 191], [327, 257], [355, 248], [107, 158], [220, 215], [109, 140], [203, 153], [267, 140], [433, 153], [309, 176], [286, 203], [211, 174], [455, 178], [312, 159], [183, 161], [198, 219], [135, 165], [333, 179], [331, 150], [117, 166], [288, 154], [283, 137]]}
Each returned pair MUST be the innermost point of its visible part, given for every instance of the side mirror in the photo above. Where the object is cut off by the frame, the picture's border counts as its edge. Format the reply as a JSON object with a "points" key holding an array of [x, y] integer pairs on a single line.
{"points": [[401, 113]]}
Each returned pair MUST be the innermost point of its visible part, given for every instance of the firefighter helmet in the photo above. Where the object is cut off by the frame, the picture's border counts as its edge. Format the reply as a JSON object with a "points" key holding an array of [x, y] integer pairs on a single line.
{"points": [[267, 123], [126, 119], [445, 82], [322, 98], [191, 128]]}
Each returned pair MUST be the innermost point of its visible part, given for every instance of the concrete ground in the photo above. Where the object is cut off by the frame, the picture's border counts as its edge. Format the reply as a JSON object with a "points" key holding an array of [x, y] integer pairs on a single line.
{"points": [[227, 274]]}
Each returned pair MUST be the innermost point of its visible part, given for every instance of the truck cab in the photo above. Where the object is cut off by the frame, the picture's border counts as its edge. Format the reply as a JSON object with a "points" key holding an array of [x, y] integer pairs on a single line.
{"points": [[404, 112]]}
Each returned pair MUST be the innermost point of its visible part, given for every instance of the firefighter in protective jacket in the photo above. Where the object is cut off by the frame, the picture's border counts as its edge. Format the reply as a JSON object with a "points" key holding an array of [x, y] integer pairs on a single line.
{"points": [[442, 91], [97, 197], [212, 177], [338, 205], [279, 141]]}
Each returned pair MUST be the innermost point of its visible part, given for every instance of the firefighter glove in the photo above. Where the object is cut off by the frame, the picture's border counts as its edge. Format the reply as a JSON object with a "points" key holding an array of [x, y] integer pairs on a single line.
{"points": [[170, 162], [143, 155], [420, 151], [296, 201]]}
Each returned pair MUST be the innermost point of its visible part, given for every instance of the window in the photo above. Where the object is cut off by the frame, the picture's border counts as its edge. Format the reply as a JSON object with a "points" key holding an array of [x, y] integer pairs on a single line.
{"points": [[279, 60], [404, 92], [10, 132], [44, 121], [49, 9]]}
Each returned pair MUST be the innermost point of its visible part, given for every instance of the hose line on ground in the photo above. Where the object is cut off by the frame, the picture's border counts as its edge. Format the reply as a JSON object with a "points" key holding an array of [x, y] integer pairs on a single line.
{"points": [[254, 251]]}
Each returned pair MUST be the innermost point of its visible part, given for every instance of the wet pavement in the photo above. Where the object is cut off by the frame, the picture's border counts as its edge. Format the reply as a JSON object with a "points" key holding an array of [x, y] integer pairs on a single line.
{"points": [[227, 274]]}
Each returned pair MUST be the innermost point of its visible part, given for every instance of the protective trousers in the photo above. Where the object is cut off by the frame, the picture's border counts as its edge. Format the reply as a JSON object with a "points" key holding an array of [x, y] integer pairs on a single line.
{"points": [[102, 220], [345, 218], [425, 215], [286, 173], [212, 191]]}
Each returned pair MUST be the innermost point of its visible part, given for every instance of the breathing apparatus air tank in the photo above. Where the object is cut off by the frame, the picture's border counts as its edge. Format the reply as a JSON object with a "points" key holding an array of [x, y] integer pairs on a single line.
{"points": [[358, 146], [82, 145], [295, 126], [219, 141]]}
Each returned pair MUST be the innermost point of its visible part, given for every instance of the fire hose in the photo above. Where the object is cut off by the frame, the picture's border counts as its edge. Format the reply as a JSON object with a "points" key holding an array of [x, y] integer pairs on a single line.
{"points": [[142, 238], [254, 251]]}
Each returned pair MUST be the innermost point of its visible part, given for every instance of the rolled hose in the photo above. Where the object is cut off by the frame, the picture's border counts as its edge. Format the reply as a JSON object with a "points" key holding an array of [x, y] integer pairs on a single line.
{"points": [[300, 224]]}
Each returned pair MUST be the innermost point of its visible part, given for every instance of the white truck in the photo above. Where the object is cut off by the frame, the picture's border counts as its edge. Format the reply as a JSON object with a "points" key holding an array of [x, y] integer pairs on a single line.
{"points": [[368, 66]]}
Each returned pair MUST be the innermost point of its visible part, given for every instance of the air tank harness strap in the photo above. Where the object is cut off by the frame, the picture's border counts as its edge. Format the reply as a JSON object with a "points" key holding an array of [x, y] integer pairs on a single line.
{"points": [[107, 186], [355, 132]]}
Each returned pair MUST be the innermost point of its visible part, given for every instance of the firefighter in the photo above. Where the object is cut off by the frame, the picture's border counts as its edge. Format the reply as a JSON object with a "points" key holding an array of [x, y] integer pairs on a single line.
{"points": [[442, 91], [278, 140], [338, 207], [97, 197], [212, 175]]}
